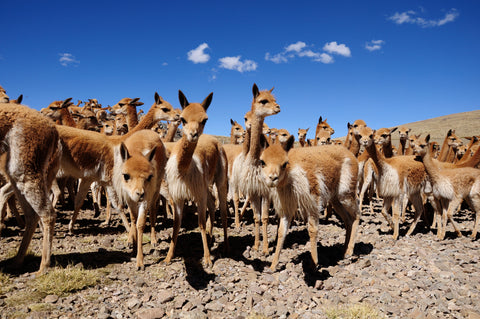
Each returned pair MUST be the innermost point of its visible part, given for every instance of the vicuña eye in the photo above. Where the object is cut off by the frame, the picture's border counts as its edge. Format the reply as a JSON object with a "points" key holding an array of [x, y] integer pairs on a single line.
{"points": [[149, 178], [262, 163], [264, 102], [183, 121], [126, 177], [284, 165]]}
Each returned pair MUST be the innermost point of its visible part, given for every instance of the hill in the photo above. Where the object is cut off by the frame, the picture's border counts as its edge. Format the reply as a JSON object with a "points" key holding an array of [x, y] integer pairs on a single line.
{"points": [[465, 124]]}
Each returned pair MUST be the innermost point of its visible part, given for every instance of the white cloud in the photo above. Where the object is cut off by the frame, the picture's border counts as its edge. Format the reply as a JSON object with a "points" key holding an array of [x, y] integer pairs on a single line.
{"points": [[234, 63], [198, 55], [374, 45], [297, 47], [412, 18], [67, 59], [449, 17], [302, 50], [341, 49], [277, 58], [324, 58]]}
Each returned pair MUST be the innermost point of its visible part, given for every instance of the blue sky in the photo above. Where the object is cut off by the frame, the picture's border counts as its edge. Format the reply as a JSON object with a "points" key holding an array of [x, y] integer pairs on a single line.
{"points": [[386, 62]]}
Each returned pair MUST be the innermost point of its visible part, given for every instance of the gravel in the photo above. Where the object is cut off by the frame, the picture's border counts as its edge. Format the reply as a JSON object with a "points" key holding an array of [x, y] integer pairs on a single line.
{"points": [[413, 277]]}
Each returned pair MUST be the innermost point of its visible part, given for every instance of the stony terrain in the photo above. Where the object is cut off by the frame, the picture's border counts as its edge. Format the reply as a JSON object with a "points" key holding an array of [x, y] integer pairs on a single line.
{"points": [[414, 277]]}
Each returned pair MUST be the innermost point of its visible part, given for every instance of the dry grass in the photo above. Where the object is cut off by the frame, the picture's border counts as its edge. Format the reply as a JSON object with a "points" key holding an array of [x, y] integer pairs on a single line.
{"points": [[61, 282], [57, 281], [357, 311]]}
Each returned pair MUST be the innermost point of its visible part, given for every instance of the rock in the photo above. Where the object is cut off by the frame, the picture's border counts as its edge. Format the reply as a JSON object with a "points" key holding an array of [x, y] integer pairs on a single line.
{"points": [[153, 313], [165, 296], [51, 299]]}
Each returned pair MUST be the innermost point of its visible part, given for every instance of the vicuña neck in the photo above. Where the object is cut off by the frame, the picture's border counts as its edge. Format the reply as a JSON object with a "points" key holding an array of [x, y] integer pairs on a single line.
{"points": [[184, 152], [255, 137]]}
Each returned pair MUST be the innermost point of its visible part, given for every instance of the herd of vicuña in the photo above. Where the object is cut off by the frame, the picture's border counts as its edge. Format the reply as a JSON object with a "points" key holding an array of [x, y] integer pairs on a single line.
{"points": [[150, 167]]}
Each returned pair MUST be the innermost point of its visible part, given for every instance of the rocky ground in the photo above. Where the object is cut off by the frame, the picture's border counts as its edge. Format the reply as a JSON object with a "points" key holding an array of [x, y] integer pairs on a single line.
{"points": [[413, 277]]}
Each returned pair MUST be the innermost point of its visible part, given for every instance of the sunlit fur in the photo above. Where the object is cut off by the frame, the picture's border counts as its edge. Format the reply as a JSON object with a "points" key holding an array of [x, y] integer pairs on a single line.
{"points": [[236, 133], [352, 137], [305, 180], [137, 179], [246, 171], [397, 177], [403, 138], [302, 136], [196, 163], [31, 142], [450, 186], [90, 155]]}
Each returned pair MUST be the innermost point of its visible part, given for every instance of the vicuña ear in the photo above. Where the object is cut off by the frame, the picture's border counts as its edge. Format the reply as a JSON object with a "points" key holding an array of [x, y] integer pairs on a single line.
{"points": [[66, 103], [307, 129], [289, 144], [124, 152], [135, 102], [255, 90], [271, 89], [427, 138], [393, 129], [207, 101], [158, 99], [183, 100], [151, 155], [320, 119], [231, 122], [20, 99], [263, 141]]}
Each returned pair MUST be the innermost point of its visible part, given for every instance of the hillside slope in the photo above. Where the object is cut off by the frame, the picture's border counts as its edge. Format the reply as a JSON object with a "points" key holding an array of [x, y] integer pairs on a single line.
{"points": [[465, 124]]}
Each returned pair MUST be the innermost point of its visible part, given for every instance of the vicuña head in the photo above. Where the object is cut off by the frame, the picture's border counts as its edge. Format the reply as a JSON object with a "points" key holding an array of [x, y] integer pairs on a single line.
{"points": [[264, 103], [274, 161], [137, 173], [3, 96], [194, 116]]}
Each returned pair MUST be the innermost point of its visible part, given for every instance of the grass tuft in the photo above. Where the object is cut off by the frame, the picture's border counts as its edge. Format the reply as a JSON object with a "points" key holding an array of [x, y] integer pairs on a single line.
{"points": [[61, 282], [357, 311]]}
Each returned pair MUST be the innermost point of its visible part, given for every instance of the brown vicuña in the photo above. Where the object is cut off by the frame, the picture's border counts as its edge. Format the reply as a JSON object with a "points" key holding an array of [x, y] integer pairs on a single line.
{"points": [[398, 176], [137, 181], [247, 171], [450, 187], [305, 180], [196, 163], [31, 142]]}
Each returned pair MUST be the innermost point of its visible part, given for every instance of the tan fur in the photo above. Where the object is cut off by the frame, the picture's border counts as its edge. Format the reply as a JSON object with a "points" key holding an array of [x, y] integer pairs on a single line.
{"points": [[128, 107], [450, 187], [247, 173], [196, 163], [232, 151], [302, 136], [3, 96], [355, 128], [323, 138], [397, 177], [160, 110], [282, 136], [30, 142], [89, 155], [306, 179], [137, 180], [403, 134], [322, 125], [173, 126], [236, 133]]}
